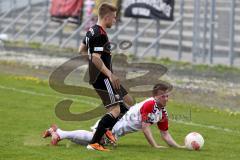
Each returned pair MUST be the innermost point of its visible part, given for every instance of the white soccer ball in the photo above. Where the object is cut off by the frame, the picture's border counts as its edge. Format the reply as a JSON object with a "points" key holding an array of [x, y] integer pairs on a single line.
{"points": [[194, 141]]}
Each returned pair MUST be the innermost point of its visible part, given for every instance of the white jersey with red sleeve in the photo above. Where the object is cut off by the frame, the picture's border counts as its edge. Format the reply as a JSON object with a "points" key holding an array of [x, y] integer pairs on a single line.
{"points": [[145, 111]]}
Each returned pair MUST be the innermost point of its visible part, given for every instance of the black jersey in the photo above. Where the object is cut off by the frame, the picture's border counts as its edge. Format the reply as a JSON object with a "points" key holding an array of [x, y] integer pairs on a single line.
{"points": [[96, 40]]}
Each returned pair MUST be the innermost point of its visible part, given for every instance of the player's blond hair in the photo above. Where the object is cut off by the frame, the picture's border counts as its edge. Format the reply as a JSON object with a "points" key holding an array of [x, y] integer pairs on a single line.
{"points": [[106, 8]]}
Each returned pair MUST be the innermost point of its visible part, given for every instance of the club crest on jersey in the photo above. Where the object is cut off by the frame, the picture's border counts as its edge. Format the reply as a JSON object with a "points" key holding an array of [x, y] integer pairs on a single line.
{"points": [[92, 31], [153, 117]]}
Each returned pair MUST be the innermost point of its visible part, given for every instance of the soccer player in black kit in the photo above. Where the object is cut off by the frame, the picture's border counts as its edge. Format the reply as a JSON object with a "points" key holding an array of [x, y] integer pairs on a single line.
{"points": [[114, 97]]}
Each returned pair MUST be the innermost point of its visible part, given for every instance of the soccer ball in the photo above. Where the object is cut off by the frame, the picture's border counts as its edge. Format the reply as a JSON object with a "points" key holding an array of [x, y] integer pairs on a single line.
{"points": [[194, 141]]}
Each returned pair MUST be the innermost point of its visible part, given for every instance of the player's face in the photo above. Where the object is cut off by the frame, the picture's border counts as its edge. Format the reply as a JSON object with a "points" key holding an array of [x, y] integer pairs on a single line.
{"points": [[162, 98], [110, 19]]}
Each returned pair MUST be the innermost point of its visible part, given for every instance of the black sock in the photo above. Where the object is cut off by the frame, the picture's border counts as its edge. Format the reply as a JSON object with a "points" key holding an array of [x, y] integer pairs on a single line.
{"points": [[107, 122], [124, 108], [114, 121]]}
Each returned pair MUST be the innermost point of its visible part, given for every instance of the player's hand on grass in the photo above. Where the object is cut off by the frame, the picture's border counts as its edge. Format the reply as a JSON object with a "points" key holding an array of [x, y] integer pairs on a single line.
{"points": [[115, 81]]}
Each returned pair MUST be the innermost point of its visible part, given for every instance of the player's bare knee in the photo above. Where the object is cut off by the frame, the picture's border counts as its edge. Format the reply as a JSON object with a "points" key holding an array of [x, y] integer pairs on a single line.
{"points": [[128, 100], [115, 110]]}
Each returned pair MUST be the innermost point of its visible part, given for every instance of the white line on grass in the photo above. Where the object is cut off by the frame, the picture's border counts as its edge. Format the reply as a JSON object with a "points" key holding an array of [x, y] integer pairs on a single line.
{"points": [[208, 126], [92, 103], [45, 95]]}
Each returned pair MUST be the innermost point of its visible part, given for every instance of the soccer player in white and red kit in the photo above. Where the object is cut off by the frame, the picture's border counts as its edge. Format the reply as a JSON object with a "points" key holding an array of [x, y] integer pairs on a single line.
{"points": [[139, 117]]}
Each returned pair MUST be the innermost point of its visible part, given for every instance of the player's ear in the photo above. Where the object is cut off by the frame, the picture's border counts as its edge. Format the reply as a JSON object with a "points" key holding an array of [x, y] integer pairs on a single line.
{"points": [[107, 17]]}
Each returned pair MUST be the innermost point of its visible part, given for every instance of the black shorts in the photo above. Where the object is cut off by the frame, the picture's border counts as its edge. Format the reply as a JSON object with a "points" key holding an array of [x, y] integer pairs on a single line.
{"points": [[108, 94]]}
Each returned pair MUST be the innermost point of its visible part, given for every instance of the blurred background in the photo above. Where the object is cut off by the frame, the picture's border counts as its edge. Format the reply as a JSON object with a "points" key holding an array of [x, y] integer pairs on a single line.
{"points": [[198, 31], [198, 40]]}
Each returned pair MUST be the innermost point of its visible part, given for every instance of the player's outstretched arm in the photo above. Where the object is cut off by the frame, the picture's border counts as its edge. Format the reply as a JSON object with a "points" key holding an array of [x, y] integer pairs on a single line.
{"points": [[148, 134], [169, 140]]}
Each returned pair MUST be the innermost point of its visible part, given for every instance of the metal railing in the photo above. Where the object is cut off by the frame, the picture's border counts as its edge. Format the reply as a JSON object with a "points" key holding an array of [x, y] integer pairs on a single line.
{"points": [[218, 31], [196, 30], [58, 30], [75, 33], [28, 24], [161, 36], [15, 20], [38, 31], [121, 29]]}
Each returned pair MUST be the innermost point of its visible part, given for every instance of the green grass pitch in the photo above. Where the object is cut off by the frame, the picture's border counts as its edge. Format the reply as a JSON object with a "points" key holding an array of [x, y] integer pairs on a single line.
{"points": [[27, 108]]}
